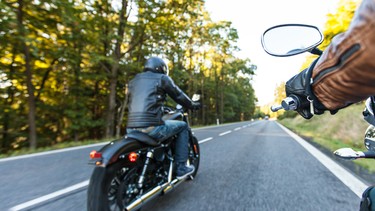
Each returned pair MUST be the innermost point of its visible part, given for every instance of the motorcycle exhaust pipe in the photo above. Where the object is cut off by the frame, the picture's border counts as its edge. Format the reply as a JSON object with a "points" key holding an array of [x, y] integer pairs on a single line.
{"points": [[173, 185], [165, 188], [146, 197]]}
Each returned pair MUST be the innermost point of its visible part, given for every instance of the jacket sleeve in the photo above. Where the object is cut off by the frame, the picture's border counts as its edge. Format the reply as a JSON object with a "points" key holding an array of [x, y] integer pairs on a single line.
{"points": [[345, 73], [175, 92]]}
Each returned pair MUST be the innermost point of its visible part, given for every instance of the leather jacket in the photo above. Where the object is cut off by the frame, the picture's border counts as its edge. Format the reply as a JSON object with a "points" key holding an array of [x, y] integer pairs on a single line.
{"points": [[345, 73], [147, 94]]}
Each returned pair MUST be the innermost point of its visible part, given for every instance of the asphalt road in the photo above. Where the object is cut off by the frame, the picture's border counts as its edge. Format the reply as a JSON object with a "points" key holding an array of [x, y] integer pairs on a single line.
{"points": [[244, 166]]}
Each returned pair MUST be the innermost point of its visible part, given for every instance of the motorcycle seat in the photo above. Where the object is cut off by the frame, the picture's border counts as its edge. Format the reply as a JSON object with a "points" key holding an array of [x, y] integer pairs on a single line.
{"points": [[172, 116], [142, 137]]}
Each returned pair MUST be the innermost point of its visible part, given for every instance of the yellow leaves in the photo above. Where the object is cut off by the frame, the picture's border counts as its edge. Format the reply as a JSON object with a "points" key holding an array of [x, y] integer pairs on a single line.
{"points": [[39, 64], [339, 22], [54, 86], [6, 60]]}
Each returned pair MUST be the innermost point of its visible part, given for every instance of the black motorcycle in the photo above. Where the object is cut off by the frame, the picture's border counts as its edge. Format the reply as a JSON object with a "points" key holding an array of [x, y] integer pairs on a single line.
{"points": [[291, 39], [135, 169]]}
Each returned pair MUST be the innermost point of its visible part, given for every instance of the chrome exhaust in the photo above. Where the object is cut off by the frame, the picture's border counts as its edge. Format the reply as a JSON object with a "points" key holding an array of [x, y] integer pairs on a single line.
{"points": [[146, 197], [173, 185], [165, 188]]}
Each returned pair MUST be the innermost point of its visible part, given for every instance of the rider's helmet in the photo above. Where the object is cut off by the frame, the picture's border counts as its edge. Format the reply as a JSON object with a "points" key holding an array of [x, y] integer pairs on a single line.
{"points": [[156, 65]]}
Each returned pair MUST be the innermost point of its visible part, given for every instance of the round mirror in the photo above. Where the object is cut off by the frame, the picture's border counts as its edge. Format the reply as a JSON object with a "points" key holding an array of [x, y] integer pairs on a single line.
{"points": [[291, 39]]}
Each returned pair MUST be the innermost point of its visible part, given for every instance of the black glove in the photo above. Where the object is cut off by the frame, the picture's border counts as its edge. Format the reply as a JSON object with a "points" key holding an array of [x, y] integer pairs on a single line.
{"points": [[196, 106], [299, 87]]}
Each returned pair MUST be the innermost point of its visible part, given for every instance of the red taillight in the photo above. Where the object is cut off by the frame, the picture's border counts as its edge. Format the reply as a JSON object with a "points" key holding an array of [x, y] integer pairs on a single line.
{"points": [[133, 157], [94, 154]]}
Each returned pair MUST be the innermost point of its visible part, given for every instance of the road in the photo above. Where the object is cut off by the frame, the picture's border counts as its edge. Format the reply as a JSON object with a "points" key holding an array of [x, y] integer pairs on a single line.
{"points": [[244, 166]]}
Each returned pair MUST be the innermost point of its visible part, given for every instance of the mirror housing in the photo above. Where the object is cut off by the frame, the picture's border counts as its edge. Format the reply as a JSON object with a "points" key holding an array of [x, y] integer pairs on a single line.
{"points": [[370, 138], [348, 154], [291, 39]]}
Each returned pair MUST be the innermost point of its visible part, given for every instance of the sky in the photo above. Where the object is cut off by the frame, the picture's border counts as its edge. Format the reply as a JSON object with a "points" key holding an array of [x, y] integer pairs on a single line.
{"points": [[252, 17]]}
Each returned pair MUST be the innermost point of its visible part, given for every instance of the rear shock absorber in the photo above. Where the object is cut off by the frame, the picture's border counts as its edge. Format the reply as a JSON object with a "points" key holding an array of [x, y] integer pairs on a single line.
{"points": [[149, 156]]}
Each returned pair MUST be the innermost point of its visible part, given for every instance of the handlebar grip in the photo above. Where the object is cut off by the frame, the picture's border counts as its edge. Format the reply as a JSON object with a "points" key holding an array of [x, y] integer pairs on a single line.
{"points": [[275, 108]]}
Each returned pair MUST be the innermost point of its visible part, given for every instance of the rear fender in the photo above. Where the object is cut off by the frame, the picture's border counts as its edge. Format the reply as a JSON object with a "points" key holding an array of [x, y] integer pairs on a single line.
{"points": [[112, 151]]}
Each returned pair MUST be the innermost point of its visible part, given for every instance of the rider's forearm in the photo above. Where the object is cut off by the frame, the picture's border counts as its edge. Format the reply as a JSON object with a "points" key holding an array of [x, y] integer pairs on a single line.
{"points": [[345, 73]]}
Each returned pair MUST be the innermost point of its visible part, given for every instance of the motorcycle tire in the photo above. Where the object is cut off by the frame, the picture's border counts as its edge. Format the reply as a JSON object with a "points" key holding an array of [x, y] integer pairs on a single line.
{"points": [[104, 190], [194, 154]]}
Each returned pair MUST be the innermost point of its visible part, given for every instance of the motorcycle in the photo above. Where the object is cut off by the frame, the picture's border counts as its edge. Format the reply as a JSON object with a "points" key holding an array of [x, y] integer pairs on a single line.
{"points": [[300, 38], [133, 170]]}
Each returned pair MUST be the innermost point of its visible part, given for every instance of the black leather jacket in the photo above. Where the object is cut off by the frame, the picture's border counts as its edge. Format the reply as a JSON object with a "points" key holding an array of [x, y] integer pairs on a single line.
{"points": [[147, 94]]}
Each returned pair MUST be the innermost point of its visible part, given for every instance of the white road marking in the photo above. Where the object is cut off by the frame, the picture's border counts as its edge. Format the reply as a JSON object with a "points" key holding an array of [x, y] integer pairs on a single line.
{"points": [[51, 152], [237, 129], [352, 182], [205, 140], [225, 133], [50, 196]]}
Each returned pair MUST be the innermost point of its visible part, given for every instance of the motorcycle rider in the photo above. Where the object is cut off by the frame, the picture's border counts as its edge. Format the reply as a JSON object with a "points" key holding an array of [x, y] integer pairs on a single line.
{"points": [[147, 93], [345, 73]]}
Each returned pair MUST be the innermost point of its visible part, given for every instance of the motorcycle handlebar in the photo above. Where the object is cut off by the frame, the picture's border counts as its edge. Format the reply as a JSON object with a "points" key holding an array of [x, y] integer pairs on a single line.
{"points": [[289, 103]]}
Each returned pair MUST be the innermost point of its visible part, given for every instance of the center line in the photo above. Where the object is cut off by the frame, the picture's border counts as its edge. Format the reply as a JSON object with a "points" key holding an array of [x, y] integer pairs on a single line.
{"points": [[205, 140], [221, 134]]}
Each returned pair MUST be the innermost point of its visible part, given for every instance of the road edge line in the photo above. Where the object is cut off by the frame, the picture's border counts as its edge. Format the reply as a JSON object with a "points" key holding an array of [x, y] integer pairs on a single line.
{"points": [[351, 181], [49, 196]]}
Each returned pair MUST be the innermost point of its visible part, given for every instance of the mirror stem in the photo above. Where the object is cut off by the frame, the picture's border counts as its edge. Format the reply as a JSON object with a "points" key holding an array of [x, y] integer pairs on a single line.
{"points": [[316, 51]]}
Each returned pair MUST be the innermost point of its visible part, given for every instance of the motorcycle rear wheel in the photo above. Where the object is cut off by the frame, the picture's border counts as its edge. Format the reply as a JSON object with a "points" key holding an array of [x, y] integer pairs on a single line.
{"points": [[112, 188]]}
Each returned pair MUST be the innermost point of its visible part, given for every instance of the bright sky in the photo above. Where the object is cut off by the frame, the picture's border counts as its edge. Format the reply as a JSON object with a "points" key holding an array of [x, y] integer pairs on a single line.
{"points": [[252, 17]]}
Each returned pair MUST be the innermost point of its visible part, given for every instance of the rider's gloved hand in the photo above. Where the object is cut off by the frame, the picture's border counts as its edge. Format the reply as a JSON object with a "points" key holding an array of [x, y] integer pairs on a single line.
{"points": [[299, 86], [196, 106]]}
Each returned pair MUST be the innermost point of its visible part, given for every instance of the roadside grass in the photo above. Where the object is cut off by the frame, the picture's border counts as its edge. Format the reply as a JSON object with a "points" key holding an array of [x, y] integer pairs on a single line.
{"points": [[344, 129]]}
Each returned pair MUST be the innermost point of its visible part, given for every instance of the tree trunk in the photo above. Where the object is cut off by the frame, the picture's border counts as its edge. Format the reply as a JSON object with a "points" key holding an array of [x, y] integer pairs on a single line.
{"points": [[217, 96], [112, 102], [111, 112], [122, 112], [222, 100], [30, 87]]}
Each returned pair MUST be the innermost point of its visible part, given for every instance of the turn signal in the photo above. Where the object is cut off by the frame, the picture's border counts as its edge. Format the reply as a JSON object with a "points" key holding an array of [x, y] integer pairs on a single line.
{"points": [[94, 154], [133, 157]]}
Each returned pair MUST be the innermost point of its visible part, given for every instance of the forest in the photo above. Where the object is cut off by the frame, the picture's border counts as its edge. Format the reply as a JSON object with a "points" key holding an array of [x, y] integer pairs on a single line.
{"points": [[65, 66]]}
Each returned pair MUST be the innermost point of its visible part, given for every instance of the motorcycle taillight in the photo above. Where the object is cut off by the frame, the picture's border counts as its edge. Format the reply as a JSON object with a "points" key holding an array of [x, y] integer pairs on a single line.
{"points": [[94, 154], [133, 157]]}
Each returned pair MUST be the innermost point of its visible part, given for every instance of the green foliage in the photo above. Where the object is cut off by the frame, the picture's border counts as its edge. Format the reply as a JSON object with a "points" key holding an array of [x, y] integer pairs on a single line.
{"points": [[83, 53]]}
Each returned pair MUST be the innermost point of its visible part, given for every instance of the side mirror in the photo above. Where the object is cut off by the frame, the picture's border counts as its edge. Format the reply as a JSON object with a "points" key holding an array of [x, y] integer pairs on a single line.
{"points": [[347, 154], [291, 39]]}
